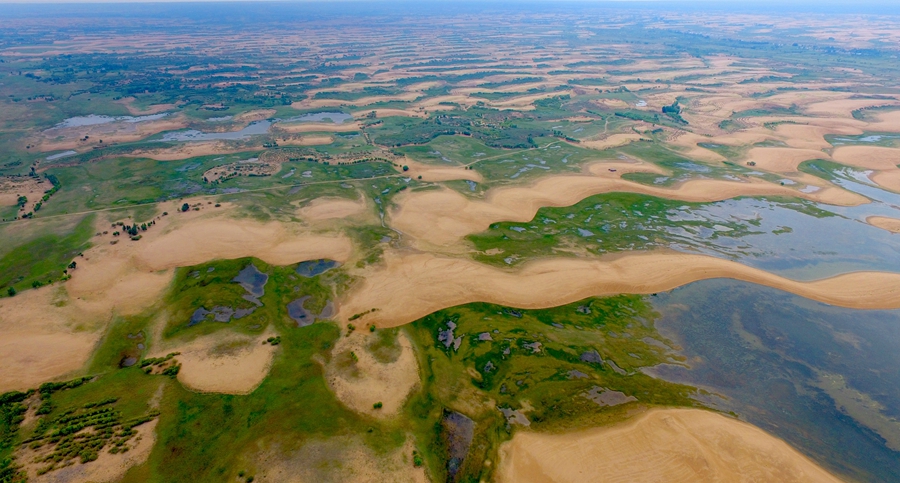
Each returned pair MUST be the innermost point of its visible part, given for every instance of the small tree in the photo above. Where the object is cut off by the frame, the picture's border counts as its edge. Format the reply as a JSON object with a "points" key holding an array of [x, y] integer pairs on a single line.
{"points": [[11, 291]]}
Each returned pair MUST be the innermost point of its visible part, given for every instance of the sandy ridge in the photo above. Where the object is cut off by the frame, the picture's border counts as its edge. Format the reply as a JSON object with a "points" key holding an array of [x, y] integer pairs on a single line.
{"points": [[885, 223], [661, 445], [411, 286], [223, 363]]}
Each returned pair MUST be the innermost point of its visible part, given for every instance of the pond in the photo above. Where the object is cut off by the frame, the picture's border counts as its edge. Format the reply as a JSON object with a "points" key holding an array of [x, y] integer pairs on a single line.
{"points": [[255, 128], [311, 268], [94, 119], [335, 117]]}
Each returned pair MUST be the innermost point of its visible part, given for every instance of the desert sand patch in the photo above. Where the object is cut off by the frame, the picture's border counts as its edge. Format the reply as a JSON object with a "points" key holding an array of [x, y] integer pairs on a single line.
{"points": [[612, 141], [808, 136], [223, 363], [307, 141], [889, 180], [228, 238], [868, 157], [327, 208], [885, 223], [782, 160], [186, 150], [887, 121], [45, 335], [412, 285], [430, 172], [359, 380], [845, 107], [671, 445], [318, 127]]}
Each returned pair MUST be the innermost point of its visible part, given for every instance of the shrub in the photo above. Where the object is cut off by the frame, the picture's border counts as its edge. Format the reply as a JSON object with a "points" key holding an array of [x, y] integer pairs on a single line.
{"points": [[377, 405], [11, 291], [185, 207]]}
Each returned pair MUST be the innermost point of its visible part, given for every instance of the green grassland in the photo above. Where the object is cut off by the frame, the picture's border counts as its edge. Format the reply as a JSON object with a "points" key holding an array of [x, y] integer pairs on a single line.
{"points": [[39, 252]]}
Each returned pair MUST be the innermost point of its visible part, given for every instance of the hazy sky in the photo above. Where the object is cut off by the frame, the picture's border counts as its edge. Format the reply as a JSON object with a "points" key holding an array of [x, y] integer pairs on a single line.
{"points": [[882, 6], [743, 2]]}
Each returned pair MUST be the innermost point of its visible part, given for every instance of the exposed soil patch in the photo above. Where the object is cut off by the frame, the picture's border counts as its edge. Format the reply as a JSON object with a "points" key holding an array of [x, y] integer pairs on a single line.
{"points": [[672, 445]]}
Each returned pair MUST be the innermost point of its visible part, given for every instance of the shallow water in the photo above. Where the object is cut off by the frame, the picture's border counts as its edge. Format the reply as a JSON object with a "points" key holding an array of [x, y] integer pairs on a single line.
{"points": [[303, 316], [774, 359], [335, 117], [253, 129], [94, 119], [60, 155], [311, 268], [791, 242], [253, 281], [863, 139], [458, 433]]}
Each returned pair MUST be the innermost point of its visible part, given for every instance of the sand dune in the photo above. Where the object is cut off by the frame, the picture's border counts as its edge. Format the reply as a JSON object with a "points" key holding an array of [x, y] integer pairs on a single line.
{"points": [[868, 157], [223, 363], [187, 150], [612, 141], [367, 381], [783, 160], [413, 285], [430, 172], [662, 445], [42, 339], [307, 141], [885, 223], [223, 237], [318, 127], [887, 122], [442, 217]]}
